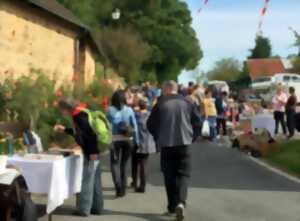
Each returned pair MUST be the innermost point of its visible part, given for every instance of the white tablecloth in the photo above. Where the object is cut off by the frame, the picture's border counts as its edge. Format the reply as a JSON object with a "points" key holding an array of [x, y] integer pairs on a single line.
{"points": [[264, 121], [58, 179]]}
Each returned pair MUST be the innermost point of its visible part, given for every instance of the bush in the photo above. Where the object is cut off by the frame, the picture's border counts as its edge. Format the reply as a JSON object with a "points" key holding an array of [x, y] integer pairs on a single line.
{"points": [[30, 100], [94, 94], [30, 95]]}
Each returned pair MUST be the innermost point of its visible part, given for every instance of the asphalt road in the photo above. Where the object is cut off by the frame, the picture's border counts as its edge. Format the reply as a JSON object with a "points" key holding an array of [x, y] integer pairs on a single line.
{"points": [[225, 185]]}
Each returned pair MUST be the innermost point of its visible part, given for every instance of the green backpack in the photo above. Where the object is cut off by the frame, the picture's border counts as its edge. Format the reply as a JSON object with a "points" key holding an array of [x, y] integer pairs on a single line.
{"points": [[101, 127]]}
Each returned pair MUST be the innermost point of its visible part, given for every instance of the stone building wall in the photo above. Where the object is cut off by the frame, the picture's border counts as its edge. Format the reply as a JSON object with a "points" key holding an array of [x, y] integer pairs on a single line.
{"points": [[33, 39]]}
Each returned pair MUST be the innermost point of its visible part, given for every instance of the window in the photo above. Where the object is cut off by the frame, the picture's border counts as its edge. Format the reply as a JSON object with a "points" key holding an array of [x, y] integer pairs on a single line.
{"points": [[296, 79], [286, 78], [262, 79]]}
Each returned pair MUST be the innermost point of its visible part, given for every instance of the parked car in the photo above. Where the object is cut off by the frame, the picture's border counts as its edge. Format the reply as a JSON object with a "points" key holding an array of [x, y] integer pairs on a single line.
{"points": [[266, 86]]}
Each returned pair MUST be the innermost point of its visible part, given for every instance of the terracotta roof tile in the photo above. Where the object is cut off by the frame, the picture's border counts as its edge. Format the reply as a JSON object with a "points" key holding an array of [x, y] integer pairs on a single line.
{"points": [[264, 67]]}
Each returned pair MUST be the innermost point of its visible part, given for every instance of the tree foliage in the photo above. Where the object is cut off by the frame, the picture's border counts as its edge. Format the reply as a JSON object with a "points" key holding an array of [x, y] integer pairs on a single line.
{"points": [[124, 50], [227, 69], [164, 26], [262, 49], [297, 41], [296, 59], [296, 65]]}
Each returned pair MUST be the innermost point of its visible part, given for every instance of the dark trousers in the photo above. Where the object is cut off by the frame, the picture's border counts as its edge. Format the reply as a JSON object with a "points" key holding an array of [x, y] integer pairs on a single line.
{"points": [[119, 156], [139, 170], [175, 163], [279, 119], [290, 116], [221, 123]]}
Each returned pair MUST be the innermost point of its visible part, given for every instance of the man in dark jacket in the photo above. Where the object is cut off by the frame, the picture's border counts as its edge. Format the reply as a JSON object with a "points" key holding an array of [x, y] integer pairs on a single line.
{"points": [[90, 198], [172, 123]]}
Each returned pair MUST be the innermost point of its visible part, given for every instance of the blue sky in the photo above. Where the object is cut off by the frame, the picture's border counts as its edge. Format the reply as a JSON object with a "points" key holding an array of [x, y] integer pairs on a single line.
{"points": [[227, 28]]}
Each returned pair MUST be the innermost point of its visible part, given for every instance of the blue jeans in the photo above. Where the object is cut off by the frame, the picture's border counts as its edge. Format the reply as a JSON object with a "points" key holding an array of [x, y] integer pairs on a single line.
{"points": [[91, 197], [119, 157], [212, 126]]}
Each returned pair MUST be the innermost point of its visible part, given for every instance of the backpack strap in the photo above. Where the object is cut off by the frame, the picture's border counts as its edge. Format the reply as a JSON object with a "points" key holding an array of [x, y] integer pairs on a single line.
{"points": [[90, 118]]}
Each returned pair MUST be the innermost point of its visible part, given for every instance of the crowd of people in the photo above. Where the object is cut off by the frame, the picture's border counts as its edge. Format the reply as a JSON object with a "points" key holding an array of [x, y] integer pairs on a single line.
{"points": [[147, 120]]}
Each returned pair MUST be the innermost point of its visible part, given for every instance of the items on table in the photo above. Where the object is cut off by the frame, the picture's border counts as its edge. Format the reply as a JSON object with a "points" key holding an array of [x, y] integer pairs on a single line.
{"points": [[9, 145]]}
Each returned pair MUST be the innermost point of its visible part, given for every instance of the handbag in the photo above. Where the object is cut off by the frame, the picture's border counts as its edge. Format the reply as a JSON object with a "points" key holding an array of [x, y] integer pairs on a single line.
{"points": [[125, 129], [205, 129]]}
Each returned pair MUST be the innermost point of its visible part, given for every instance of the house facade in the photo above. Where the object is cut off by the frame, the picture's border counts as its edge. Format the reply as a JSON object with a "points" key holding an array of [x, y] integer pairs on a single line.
{"points": [[42, 34]]}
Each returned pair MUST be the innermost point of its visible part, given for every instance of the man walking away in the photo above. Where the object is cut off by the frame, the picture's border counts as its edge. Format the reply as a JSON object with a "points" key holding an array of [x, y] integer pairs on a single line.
{"points": [[90, 198], [291, 112], [279, 102], [171, 123]]}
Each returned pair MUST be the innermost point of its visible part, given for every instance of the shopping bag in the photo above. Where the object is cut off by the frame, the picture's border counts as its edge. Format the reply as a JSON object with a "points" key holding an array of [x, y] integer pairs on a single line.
{"points": [[205, 129]]}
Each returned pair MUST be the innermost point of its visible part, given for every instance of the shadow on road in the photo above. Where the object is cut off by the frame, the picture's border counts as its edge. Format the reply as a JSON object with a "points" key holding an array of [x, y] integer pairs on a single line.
{"points": [[68, 211]]}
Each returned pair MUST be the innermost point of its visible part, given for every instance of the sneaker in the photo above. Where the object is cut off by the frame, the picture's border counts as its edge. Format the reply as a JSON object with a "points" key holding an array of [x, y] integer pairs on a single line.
{"points": [[180, 212]]}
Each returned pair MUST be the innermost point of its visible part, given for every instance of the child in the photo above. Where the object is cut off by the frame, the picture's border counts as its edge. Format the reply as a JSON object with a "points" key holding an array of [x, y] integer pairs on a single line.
{"points": [[146, 146]]}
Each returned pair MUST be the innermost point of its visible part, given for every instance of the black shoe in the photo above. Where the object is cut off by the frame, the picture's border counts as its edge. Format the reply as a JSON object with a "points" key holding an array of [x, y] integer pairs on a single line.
{"points": [[140, 190], [120, 194]]}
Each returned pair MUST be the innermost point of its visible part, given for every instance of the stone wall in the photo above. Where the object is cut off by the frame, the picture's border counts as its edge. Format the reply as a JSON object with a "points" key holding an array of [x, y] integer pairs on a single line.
{"points": [[30, 39], [90, 66]]}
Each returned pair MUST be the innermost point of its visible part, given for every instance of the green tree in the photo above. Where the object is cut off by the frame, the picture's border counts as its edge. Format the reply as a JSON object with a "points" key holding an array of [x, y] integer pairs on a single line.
{"points": [[296, 65], [262, 49], [297, 41], [227, 69], [167, 29], [243, 80], [296, 59], [124, 50], [165, 26]]}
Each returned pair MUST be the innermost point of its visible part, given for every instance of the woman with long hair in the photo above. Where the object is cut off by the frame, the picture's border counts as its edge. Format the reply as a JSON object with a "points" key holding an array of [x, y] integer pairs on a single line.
{"points": [[125, 135]]}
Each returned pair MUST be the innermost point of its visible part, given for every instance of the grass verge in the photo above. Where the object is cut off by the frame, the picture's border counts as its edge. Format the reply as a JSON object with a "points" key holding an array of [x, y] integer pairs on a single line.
{"points": [[288, 158]]}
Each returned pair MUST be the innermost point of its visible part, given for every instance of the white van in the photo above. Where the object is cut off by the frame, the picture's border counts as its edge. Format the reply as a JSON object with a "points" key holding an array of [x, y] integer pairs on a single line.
{"points": [[268, 84], [220, 85]]}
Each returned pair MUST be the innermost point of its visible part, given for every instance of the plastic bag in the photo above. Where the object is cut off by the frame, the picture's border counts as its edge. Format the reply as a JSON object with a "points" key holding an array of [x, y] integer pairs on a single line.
{"points": [[205, 129]]}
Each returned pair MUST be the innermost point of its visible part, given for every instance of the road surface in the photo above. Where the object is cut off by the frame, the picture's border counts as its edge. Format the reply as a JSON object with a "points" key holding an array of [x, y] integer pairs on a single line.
{"points": [[225, 186]]}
